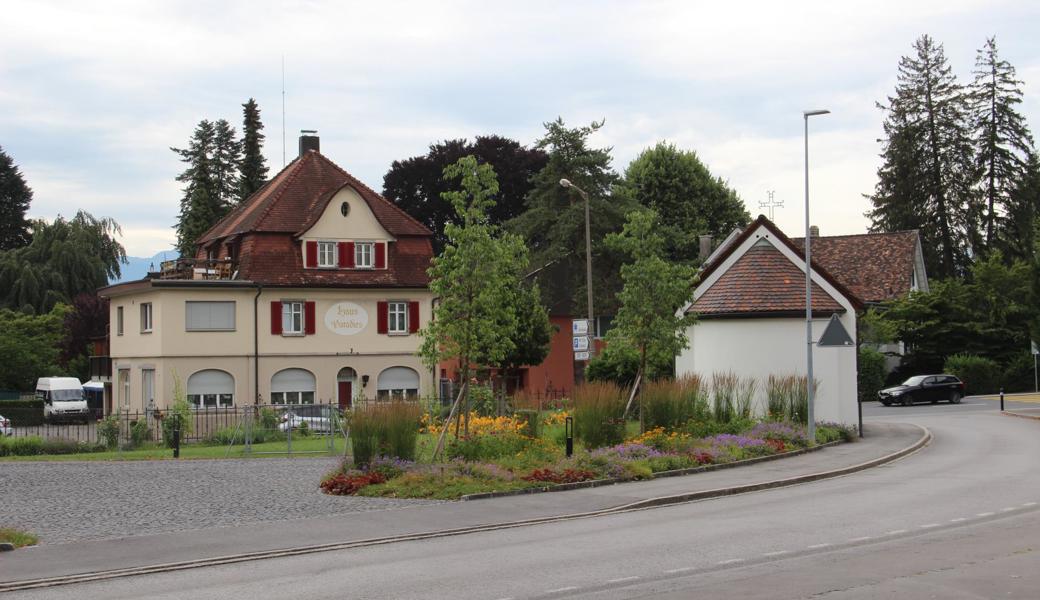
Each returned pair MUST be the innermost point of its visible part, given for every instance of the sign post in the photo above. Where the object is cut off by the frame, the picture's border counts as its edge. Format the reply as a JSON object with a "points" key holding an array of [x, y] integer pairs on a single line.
{"points": [[1036, 350], [581, 343]]}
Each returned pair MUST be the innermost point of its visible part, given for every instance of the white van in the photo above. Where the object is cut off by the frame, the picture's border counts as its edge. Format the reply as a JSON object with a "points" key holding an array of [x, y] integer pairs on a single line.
{"points": [[62, 399]]}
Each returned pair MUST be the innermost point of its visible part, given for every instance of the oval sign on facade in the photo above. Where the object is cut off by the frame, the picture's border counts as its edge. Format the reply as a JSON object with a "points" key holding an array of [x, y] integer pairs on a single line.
{"points": [[346, 318]]}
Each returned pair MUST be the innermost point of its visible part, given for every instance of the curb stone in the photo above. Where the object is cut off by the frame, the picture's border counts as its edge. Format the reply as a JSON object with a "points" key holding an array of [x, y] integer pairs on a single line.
{"points": [[1020, 415], [594, 483]]}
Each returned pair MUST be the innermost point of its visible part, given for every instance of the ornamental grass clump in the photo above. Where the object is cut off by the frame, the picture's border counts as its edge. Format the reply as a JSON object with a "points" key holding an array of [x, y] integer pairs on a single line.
{"points": [[599, 409], [779, 395], [745, 395], [723, 395], [384, 429]]}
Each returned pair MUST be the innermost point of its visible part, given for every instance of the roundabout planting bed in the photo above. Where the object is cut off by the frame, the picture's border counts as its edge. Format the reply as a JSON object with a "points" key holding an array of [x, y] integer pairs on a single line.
{"points": [[525, 452]]}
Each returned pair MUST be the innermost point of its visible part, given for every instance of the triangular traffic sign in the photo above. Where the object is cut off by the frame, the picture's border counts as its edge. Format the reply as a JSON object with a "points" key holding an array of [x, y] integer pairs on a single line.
{"points": [[835, 335]]}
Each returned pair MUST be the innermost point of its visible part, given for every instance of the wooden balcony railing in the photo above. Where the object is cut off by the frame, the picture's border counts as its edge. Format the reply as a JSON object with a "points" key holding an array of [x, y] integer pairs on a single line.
{"points": [[194, 268]]}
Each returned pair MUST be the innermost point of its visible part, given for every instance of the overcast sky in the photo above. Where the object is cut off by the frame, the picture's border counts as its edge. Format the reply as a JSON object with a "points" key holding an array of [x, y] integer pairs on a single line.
{"points": [[92, 95]]}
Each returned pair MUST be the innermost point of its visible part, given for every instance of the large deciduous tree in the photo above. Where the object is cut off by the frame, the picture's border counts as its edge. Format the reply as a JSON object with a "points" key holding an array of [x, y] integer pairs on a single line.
{"points": [[655, 289], [29, 347], [475, 279], [554, 223], [416, 184], [64, 259], [689, 200], [1004, 148], [926, 179], [15, 196]]}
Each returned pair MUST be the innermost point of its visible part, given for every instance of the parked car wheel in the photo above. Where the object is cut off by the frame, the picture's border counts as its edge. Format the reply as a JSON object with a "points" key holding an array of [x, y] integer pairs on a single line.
{"points": [[908, 400], [886, 403], [955, 398]]}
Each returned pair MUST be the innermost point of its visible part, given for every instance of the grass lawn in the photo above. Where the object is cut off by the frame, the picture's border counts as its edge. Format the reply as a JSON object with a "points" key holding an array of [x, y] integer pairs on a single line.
{"points": [[17, 537], [316, 445]]}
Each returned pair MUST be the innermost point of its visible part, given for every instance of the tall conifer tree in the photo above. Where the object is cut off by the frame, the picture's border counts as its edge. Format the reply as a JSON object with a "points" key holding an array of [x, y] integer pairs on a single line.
{"points": [[227, 153], [252, 167], [200, 205], [1004, 147], [15, 197], [928, 166]]}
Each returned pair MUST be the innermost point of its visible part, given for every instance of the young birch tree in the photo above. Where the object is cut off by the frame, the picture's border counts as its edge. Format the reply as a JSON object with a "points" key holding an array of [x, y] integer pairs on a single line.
{"points": [[474, 280]]}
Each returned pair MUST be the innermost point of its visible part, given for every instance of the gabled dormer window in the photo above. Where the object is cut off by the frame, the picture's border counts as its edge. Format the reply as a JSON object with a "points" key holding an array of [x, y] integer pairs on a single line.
{"points": [[326, 254], [363, 255]]}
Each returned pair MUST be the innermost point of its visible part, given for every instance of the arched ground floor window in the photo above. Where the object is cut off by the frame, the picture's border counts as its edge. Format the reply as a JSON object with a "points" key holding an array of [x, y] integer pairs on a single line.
{"points": [[292, 386], [211, 388], [397, 383]]}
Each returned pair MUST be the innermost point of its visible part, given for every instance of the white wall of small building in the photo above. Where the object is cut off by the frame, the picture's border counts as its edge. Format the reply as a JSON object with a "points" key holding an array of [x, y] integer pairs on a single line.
{"points": [[759, 348]]}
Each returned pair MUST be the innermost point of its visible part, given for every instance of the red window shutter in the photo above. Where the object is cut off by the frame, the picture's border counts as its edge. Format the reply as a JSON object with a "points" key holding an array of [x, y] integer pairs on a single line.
{"points": [[276, 317], [346, 255], [380, 255], [308, 318], [381, 317], [312, 255], [413, 317]]}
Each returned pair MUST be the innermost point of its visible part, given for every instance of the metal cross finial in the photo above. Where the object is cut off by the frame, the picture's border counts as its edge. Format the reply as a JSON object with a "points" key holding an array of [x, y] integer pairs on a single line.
{"points": [[771, 203]]}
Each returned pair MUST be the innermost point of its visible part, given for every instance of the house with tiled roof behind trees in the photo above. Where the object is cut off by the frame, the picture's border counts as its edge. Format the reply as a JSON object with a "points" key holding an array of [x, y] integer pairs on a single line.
{"points": [[312, 290]]}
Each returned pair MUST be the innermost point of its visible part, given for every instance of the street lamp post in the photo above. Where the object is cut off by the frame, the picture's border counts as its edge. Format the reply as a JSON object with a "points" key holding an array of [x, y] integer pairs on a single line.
{"points": [[809, 381], [588, 256]]}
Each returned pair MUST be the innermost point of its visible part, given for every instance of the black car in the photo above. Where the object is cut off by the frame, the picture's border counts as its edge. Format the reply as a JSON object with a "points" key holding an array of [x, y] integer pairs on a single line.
{"points": [[924, 388]]}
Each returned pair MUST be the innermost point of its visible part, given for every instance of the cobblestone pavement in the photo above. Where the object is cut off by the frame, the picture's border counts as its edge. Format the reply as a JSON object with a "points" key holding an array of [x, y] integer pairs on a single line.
{"points": [[68, 501]]}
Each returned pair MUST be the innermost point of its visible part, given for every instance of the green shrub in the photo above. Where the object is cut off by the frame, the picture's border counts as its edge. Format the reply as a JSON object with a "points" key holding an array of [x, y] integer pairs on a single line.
{"points": [[531, 420], [980, 375], [871, 374], [179, 416], [21, 446], [108, 431], [139, 433], [22, 413], [1018, 374], [486, 447], [706, 428], [63, 446], [482, 400], [599, 414]]}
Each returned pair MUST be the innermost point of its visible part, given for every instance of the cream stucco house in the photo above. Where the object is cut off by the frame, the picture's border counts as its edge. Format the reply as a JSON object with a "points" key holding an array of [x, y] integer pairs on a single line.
{"points": [[312, 290], [750, 303]]}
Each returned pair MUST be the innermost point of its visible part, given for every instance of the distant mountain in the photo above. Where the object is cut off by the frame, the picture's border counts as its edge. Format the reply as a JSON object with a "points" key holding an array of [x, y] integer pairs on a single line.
{"points": [[137, 267]]}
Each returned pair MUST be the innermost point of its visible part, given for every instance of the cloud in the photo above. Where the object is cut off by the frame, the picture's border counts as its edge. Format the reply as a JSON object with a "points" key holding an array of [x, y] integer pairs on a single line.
{"points": [[95, 94]]}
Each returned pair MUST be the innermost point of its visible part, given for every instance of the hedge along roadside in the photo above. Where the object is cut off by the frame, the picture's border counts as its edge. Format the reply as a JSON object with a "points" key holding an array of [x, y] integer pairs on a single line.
{"points": [[23, 413]]}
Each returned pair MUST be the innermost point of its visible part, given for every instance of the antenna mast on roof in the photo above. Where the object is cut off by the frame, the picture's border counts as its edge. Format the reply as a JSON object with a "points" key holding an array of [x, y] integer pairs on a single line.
{"points": [[767, 204], [283, 110]]}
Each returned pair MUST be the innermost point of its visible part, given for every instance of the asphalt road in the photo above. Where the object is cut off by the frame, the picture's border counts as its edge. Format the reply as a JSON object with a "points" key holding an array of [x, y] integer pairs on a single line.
{"points": [[959, 519]]}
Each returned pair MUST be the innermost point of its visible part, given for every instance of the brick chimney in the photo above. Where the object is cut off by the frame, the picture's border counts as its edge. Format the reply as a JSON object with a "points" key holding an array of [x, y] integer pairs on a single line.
{"points": [[814, 231], [309, 141], [705, 246]]}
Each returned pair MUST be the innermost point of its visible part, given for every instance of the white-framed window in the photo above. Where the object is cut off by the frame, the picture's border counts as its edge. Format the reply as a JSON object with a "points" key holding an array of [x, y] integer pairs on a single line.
{"points": [[146, 317], [363, 255], [292, 386], [209, 315], [326, 254], [119, 320], [397, 317], [292, 317], [397, 383], [211, 388], [147, 387]]}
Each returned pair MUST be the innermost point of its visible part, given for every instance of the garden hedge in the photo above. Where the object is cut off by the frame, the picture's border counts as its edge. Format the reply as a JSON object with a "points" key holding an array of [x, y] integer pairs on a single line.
{"points": [[22, 413]]}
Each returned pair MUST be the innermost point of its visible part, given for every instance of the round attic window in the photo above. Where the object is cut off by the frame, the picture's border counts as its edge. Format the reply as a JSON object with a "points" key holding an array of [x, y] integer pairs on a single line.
{"points": [[344, 208]]}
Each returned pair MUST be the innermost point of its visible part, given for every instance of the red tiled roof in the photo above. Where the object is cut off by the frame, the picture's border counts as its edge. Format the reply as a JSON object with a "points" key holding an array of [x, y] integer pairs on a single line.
{"points": [[294, 199], [762, 221], [275, 259], [875, 266], [762, 281]]}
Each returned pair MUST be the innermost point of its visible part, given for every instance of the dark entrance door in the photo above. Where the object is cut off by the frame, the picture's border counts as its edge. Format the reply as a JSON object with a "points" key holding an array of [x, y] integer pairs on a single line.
{"points": [[346, 392]]}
